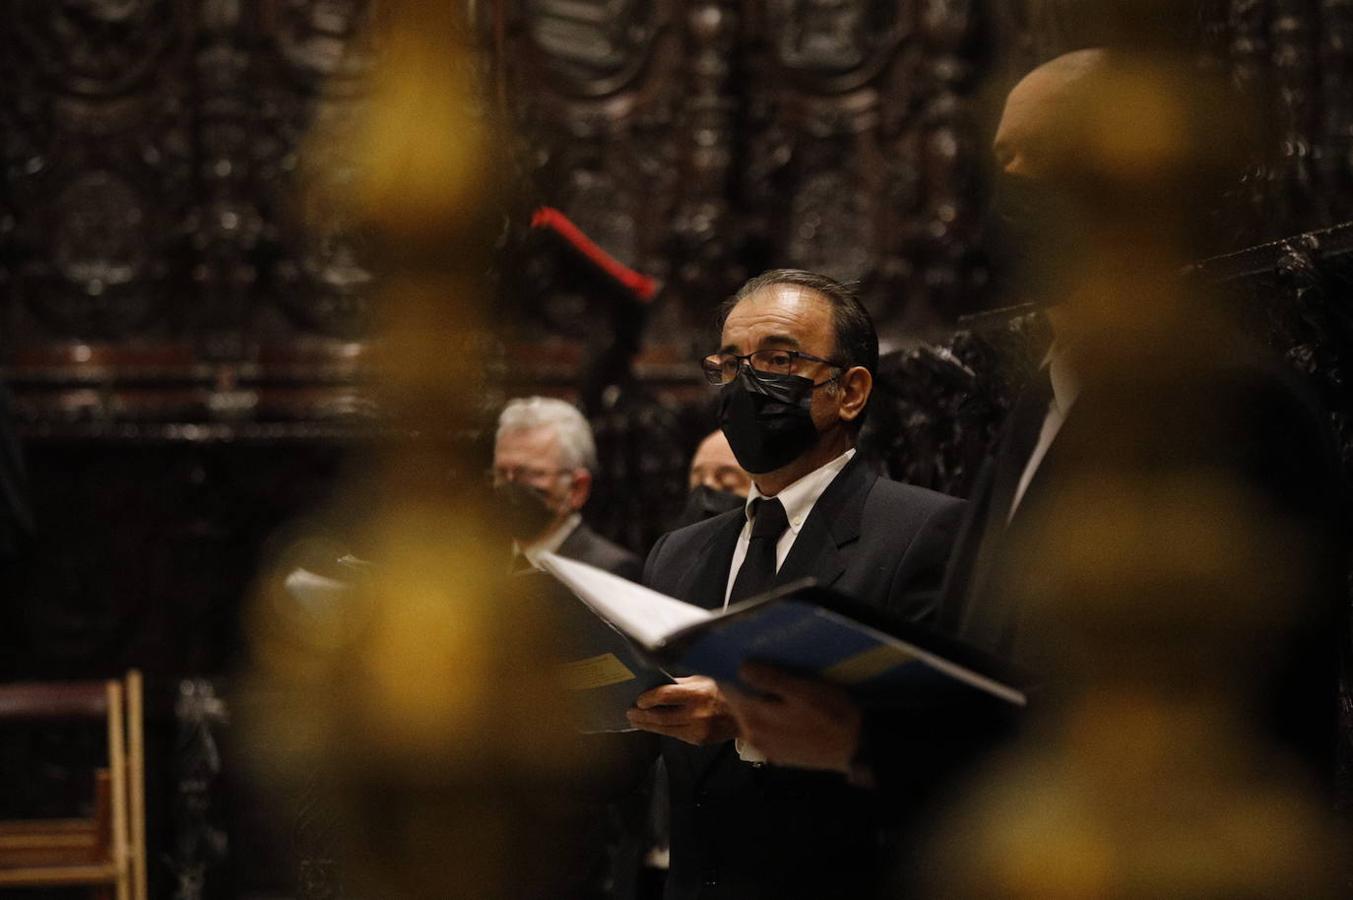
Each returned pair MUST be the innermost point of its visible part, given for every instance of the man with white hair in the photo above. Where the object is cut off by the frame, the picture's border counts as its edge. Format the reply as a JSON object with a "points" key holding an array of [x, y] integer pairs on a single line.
{"points": [[543, 460]]}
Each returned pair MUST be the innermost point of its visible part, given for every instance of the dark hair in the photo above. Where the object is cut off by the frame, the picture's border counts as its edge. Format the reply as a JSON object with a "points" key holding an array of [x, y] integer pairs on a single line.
{"points": [[857, 343]]}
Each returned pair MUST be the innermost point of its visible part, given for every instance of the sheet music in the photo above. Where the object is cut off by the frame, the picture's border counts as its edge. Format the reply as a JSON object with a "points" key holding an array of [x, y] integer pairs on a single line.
{"points": [[645, 615]]}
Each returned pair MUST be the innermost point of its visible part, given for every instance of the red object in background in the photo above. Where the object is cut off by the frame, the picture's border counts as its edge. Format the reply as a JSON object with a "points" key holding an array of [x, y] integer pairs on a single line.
{"points": [[643, 287]]}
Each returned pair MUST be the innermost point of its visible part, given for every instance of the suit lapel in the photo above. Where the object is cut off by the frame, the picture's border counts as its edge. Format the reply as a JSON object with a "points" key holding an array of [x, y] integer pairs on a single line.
{"points": [[832, 525], [705, 581], [1047, 467], [576, 544], [967, 555], [986, 613]]}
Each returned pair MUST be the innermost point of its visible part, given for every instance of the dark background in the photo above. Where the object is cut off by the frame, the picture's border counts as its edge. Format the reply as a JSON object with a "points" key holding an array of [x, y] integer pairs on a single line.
{"points": [[187, 359]]}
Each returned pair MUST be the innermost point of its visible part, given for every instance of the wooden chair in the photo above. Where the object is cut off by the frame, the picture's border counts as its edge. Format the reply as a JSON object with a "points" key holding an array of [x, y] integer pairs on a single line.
{"points": [[106, 851]]}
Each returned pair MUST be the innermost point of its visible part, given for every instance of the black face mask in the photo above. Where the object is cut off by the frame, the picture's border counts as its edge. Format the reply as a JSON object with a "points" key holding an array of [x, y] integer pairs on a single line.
{"points": [[523, 510], [767, 419], [705, 503], [1031, 231]]}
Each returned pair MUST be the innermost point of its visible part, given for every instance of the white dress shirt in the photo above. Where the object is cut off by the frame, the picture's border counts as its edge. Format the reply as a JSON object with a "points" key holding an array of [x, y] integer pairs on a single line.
{"points": [[1065, 389], [798, 500]]}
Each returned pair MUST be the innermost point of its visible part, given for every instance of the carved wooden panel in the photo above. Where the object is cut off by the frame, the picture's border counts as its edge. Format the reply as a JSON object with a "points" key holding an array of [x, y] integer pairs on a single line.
{"points": [[98, 162], [1334, 146], [149, 234], [183, 345], [706, 141], [151, 148], [595, 91], [861, 152], [186, 343], [317, 276]]}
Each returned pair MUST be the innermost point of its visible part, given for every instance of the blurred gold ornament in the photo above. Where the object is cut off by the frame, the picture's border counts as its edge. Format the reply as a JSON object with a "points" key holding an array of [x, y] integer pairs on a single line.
{"points": [[419, 711], [1155, 581]]}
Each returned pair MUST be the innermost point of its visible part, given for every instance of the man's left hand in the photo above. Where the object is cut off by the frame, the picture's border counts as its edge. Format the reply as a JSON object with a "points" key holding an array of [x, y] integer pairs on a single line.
{"points": [[692, 710], [799, 722]]}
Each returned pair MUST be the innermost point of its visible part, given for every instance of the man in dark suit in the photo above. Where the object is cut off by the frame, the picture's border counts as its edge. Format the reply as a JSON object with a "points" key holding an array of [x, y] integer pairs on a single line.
{"points": [[795, 370], [1178, 399], [544, 455], [543, 459]]}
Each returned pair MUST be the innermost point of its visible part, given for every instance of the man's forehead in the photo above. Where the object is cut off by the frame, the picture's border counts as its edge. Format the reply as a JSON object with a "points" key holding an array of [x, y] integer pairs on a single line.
{"points": [[533, 439], [784, 310], [1039, 125]]}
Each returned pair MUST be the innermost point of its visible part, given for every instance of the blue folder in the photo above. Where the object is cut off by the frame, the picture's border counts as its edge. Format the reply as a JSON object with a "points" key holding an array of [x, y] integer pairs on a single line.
{"points": [[877, 657]]}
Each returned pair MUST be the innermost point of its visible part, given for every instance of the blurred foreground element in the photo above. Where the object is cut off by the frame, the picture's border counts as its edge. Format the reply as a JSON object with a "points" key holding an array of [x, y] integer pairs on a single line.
{"points": [[416, 712], [1160, 602], [1175, 581]]}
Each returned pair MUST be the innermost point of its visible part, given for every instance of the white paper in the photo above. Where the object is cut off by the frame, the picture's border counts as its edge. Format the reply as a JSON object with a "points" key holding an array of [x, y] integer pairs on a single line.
{"points": [[641, 613], [314, 590]]}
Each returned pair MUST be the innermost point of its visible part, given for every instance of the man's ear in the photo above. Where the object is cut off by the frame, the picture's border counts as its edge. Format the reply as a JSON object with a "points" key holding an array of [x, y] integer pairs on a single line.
{"points": [[580, 489], [856, 386]]}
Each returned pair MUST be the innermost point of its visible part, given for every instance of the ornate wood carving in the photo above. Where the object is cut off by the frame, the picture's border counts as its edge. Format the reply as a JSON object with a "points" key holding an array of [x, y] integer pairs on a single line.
{"points": [[595, 90], [832, 136], [201, 843], [706, 239], [148, 233], [151, 148], [318, 277], [948, 262], [98, 167], [186, 344], [827, 172], [939, 407], [1334, 150], [1294, 69]]}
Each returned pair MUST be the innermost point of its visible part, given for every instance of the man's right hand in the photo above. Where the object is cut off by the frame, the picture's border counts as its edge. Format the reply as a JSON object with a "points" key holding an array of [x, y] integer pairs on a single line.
{"points": [[692, 710], [797, 721]]}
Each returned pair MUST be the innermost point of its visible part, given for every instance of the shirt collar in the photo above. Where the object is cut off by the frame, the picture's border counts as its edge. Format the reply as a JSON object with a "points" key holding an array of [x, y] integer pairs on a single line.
{"points": [[799, 498], [551, 542], [1065, 385]]}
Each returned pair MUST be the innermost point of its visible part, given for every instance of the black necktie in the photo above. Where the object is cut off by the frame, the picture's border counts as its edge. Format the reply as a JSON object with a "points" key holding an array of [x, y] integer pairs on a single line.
{"points": [[757, 574]]}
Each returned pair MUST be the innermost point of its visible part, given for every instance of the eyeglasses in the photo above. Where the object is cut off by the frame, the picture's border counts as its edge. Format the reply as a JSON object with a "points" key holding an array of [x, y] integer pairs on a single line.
{"points": [[522, 474], [722, 368]]}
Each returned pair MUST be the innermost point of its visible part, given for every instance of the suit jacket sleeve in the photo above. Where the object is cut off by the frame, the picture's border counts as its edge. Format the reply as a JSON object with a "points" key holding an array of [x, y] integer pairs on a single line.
{"points": [[652, 565], [631, 569], [918, 580], [916, 754]]}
